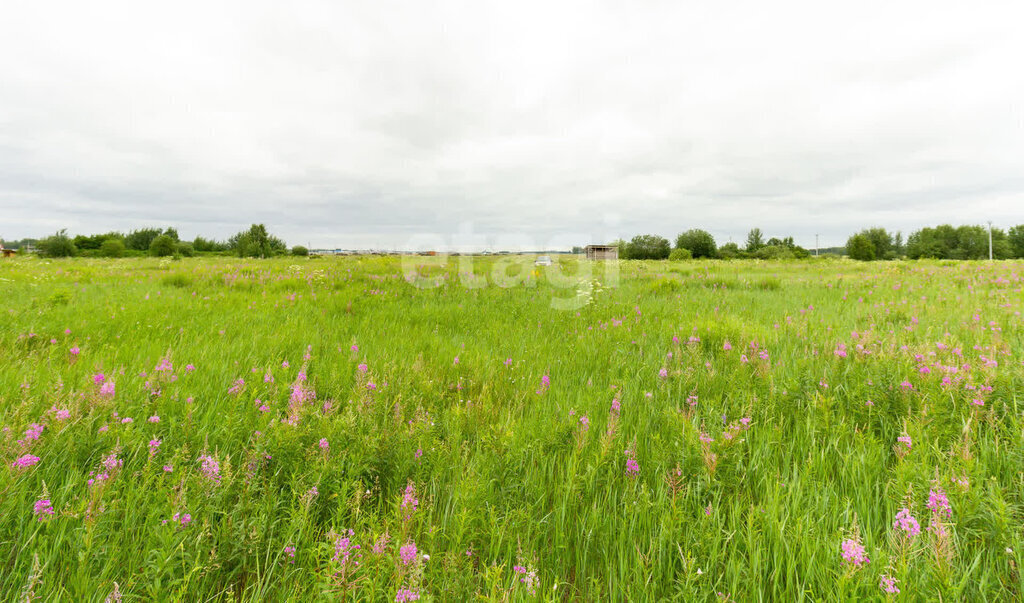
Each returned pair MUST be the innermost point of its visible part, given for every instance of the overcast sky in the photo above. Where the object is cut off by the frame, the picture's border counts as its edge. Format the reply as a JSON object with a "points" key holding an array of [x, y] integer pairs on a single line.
{"points": [[366, 124]]}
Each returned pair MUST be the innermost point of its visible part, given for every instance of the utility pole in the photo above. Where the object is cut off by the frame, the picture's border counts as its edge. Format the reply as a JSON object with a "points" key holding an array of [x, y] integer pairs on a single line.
{"points": [[815, 244], [990, 240]]}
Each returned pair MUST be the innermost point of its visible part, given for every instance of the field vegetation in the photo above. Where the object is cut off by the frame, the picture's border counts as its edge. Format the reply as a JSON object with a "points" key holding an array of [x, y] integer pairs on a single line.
{"points": [[373, 429]]}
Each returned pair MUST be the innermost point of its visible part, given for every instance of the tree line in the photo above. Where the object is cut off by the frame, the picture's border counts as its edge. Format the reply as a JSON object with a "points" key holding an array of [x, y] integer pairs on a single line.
{"points": [[252, 242], [943, 242]]}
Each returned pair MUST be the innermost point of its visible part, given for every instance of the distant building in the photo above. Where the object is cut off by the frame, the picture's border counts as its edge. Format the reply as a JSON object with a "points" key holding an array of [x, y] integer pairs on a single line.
{"points": [[7, 253], [601, 252]]}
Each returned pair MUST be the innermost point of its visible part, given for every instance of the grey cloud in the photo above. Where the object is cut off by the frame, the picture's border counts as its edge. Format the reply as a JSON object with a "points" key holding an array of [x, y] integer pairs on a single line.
{"points": [[360, 124]]}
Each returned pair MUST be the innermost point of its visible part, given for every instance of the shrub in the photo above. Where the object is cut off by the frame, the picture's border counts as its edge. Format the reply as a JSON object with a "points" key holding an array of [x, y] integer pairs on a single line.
{"points": [[58, 246], [300, 250], [700, 243], [859, 247], [112, 248], [680, 254], [162, 246], [186, 249], [648, 247]]}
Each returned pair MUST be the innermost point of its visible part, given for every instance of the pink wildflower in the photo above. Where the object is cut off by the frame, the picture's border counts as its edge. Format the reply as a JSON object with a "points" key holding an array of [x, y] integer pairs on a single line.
{"points": [[854, 554], [25, 461], [907, 523], [43, 509]]}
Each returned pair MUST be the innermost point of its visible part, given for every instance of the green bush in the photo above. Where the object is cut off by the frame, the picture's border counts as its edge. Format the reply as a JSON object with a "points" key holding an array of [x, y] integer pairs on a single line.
{"points": [[300, 250], [700, 243], [162, 246], [186, 250], [648, 247], [859, 247], [680, 254], [59, 245], [112, 248]]}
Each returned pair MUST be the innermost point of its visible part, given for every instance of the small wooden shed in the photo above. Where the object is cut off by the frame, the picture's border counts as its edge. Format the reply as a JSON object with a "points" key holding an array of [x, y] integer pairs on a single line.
{"points": [[7, 253], [601, 252]]}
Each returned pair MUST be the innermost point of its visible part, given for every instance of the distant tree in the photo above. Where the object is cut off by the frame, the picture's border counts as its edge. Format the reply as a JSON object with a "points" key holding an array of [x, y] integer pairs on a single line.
{"points": [[729, 251], [140, 240], [860, 247], [680, 254], [201, 244], [172, 232], [971, 243], [59, 245], [112, 248], [927, 243], [897, 244], [623, 248], [648, 247], [576, 249], [1015, 238], [882, 241], [256, 242], [185, 249], [755, 240], [83, 242], [162, 245], [700, 243], [300, 250]]}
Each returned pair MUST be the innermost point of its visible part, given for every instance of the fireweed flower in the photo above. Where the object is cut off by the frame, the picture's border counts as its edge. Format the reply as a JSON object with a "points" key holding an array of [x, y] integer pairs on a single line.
{"points": [[111, 462], [290, 551], [854, 554], [405, 595], [528, 577], [409, 501], [663, 373], [237, 387], [907, 523], [938, 502], [210, 468], [99, 378], [34, 431], [154, 419], [381, 544], [25, 461], [324, 445], [154, 445], [408, 553], [632, 467], [344, 550], [107, 389], [43, 509], [888, 585]]}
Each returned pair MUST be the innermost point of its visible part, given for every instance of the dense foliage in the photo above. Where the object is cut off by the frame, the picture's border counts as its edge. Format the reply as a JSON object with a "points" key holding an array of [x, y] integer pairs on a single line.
{"points": [[648, 247], [700, 243], [225, 429]]}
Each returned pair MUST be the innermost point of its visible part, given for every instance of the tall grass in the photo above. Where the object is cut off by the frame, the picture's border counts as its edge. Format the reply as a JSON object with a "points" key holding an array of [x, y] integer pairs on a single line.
{"points": [[762, 403]]}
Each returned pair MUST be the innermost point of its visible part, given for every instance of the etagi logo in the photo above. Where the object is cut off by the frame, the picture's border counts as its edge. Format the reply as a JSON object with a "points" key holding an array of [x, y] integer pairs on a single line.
{"points": [[435, 261]]}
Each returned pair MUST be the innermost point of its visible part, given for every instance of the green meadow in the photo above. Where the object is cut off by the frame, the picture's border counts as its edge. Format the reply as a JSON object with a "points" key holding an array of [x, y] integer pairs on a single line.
{"points": [[387, 429]]}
